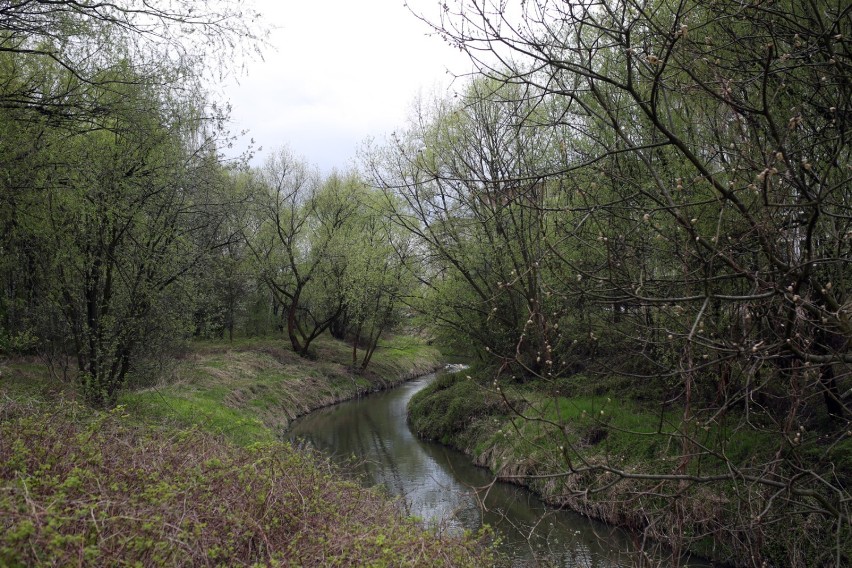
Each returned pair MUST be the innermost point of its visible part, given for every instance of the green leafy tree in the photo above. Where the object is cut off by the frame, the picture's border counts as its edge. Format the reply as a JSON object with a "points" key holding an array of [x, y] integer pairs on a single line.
{"points": [[130, 220], [380, 272], [110, 168], [300, 221], [101, 46], [465, 179]]}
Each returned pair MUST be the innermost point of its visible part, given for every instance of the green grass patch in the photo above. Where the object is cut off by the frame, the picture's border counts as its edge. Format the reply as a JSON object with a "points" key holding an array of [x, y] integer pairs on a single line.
{"points": [[206, 412], [448, 406]]}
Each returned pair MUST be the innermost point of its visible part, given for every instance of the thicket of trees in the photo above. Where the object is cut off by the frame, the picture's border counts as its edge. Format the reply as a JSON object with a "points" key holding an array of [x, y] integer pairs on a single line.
{"points": [[659, 190], [122, 226], [328, 253], [111, 179]]}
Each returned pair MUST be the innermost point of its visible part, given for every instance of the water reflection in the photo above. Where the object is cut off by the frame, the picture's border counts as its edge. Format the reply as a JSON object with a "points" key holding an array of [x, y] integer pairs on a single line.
{"points": [[370, 436]]}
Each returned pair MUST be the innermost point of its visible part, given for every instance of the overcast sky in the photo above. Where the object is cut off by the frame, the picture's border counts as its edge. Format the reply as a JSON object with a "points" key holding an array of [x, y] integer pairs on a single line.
{"points": [[340, 71]]}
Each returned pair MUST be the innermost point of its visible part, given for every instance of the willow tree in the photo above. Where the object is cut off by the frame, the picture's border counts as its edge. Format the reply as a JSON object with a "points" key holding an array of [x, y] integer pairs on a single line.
{"points": [[465, 178], [379, 274]]}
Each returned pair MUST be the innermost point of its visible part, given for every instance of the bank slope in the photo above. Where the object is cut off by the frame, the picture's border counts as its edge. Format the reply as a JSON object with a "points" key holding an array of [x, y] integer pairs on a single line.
{"points": [[251, 390], [175, 485], [619, 461]]}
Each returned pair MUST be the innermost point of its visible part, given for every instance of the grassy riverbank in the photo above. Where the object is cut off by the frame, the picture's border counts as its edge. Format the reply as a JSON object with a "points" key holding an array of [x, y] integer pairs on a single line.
{"points": [[187, 472], [250, 390], [610, 445]]}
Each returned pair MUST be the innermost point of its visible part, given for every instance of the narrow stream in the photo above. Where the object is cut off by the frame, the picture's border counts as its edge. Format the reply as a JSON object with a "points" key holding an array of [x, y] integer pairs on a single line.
{"points": [[371, 438]]}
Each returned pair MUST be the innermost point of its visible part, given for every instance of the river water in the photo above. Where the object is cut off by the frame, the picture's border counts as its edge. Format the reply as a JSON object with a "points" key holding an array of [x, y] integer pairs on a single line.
{"points": [[371, 439]]}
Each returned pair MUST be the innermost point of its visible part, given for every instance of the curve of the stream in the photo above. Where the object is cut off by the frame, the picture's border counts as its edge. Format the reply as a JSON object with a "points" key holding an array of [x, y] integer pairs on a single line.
{"points": [[370, 438]]}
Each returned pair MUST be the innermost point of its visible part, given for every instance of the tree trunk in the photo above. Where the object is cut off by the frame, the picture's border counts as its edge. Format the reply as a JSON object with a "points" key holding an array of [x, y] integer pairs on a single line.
{"points": [[292, 324]]}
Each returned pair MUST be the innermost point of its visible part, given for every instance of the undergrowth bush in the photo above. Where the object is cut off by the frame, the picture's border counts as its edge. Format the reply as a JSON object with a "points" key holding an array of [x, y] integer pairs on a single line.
{"points": [[83, 488]]}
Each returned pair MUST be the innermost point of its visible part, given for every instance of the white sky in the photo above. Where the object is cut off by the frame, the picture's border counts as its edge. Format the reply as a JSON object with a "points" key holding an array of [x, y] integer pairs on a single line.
{"points": [[342, 70]]}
